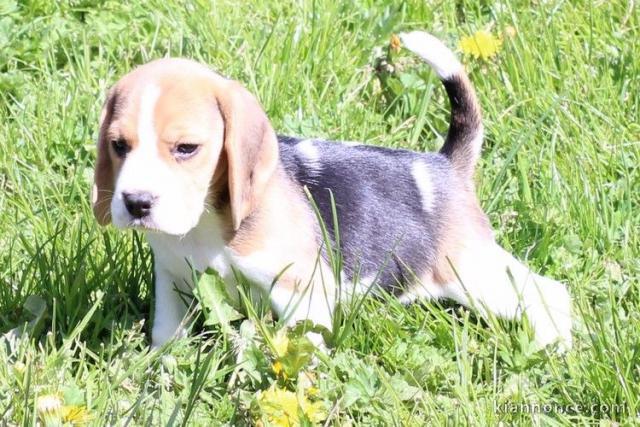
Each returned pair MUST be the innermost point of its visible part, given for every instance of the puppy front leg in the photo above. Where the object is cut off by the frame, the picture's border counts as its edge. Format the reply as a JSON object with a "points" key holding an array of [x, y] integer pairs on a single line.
{"points": [[295, 303], [170, 308]]}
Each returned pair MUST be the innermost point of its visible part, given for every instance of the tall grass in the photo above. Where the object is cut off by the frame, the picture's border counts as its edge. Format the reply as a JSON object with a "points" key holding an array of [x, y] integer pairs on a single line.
{"points": [[558, 178]]}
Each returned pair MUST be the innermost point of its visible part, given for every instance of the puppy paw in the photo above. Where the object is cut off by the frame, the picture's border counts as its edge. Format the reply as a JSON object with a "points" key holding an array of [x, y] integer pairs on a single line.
{"points": [[551, 314]]}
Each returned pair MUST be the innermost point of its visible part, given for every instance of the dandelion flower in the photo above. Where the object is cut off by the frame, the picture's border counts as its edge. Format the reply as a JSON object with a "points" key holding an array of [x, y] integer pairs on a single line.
{"points": [[395, 43], [49, 408], [281, 342], [278, 369], [313, 391], [283, 408], [76, 415], [482, 44]]}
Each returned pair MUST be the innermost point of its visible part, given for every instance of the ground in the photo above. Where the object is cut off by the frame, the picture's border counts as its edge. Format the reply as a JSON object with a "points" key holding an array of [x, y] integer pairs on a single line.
{"points": [[558, 178]]}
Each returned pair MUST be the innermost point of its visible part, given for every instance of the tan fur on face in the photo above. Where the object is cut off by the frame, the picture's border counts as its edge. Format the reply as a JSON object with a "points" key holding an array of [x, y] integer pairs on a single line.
{"points": [[104, 172], [198, 106]]}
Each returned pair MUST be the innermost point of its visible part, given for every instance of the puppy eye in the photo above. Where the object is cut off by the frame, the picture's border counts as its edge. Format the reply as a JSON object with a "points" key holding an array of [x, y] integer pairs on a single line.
{"points": [[120, 147], [184, 151]]}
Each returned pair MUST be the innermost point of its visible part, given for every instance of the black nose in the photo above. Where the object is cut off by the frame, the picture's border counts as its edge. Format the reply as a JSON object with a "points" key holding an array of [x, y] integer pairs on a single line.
{"points": [[138, 204]]}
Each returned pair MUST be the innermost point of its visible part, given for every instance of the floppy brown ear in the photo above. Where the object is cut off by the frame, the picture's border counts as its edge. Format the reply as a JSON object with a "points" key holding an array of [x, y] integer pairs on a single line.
{"points": [[251, 147], [103, 177]]}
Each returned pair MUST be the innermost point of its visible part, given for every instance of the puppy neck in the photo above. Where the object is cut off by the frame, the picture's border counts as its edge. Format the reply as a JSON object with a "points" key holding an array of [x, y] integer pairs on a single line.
{"points": [[281, 213]]}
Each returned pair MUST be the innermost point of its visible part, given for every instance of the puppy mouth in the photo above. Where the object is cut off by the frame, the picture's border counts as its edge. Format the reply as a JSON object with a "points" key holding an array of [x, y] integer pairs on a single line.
{"points": [[147, 225], [142, 224]]}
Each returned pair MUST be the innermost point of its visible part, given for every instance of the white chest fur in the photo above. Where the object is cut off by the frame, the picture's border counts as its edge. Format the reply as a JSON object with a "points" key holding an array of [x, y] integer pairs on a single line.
{"points": [[176, 257], [201, 248]]}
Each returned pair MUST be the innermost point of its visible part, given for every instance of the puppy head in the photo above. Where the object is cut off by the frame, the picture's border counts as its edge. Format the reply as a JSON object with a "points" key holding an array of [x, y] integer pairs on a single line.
{"points": [[169, 130]]}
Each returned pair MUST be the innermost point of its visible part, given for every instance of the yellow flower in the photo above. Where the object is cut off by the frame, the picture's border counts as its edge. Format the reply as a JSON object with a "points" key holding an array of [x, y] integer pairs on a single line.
{"points": [[53, 412], [76, 415], [281, 342], [277, 369], [313, 391], [482, 44], [395, 43], [282, 408]]}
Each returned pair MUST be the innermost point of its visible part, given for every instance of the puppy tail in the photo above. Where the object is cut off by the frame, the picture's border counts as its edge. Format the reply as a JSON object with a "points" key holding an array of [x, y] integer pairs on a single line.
{"points": [[464, 138]]}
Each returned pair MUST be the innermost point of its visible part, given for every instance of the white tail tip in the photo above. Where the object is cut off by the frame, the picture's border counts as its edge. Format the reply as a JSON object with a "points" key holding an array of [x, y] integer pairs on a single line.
{"points": [[433, 51]]}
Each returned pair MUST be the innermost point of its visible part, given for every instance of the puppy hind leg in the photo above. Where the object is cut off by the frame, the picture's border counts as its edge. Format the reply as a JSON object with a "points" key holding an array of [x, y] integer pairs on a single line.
{"points": [[424, 289], [491, 279]]}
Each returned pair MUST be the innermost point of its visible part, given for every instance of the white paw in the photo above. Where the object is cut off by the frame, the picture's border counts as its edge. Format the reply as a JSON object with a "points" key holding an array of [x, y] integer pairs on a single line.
{"points": [[160, 334], [551, 314]]}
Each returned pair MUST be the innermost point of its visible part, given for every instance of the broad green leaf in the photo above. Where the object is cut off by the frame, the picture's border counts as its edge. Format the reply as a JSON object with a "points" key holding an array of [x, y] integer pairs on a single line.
{"points": [[214, 301]]}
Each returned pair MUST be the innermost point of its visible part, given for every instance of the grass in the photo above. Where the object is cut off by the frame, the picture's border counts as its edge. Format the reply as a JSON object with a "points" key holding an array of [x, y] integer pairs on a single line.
{"points": [[558, 178]]}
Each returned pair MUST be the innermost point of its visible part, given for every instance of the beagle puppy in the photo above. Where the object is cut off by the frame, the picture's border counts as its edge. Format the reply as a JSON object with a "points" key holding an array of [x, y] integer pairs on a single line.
{"points": [[190, 159]]}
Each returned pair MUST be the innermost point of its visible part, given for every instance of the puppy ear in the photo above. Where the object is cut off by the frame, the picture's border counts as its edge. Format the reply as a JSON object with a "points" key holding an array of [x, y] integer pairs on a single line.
{"points": [[103, 178], [251, 147]]}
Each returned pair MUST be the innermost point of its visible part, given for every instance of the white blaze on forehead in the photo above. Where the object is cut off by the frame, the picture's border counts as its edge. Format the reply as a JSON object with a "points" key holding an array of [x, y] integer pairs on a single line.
{"points": [[142, 169], [421, 175], [147, 137]]}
